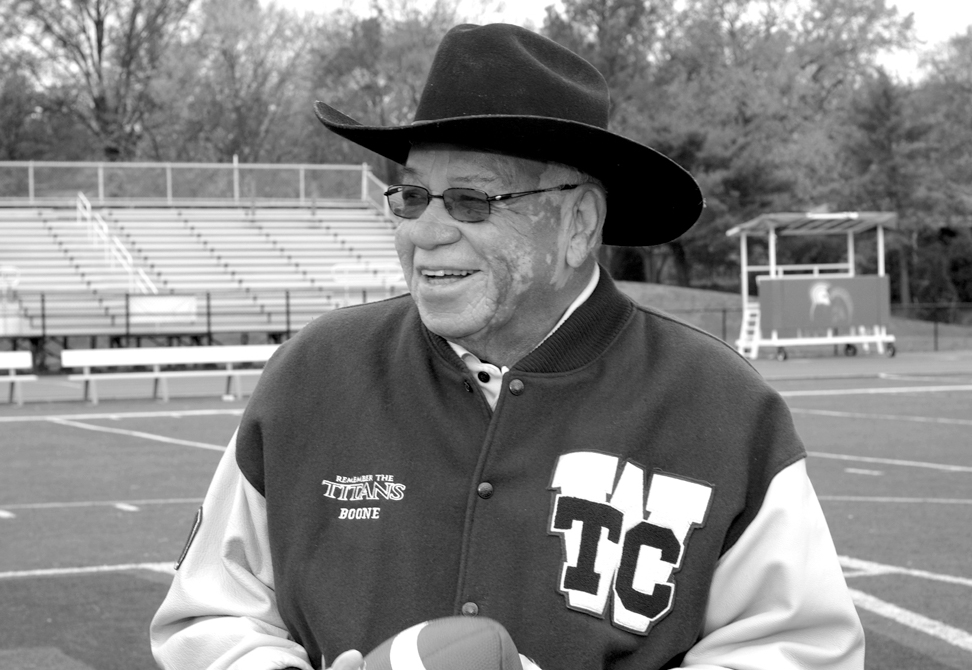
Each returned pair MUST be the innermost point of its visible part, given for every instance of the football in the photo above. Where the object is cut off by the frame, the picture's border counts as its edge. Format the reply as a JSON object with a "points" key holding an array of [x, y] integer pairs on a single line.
{"points": [[450, 643]]}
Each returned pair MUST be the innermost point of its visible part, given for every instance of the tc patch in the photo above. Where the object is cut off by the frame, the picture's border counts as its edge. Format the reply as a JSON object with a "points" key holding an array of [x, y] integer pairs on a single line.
{"points": [[624, 535]]}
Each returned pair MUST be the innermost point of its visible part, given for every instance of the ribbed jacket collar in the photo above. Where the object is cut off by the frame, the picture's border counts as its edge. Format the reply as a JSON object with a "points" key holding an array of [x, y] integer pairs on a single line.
{"points": [[578, 341]]}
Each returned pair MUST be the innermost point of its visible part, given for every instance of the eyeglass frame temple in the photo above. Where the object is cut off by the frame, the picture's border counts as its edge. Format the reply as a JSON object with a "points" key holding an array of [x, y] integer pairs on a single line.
{"points": [[489, 198], [507, 196]]}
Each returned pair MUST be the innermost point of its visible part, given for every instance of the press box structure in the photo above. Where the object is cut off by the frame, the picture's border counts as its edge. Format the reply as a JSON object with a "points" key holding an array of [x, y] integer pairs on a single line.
{"points": [[800, 305]]}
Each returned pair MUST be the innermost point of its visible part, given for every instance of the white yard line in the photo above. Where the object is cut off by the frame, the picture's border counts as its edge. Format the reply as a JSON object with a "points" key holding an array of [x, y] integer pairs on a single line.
{"points": [[876, 391], [137, 433], [864, 568], [175, 414], [887, 417], [888, 499], [166, 568], [855, 568], [953, 636], [891, 461], [913, 378], [104, 503]]}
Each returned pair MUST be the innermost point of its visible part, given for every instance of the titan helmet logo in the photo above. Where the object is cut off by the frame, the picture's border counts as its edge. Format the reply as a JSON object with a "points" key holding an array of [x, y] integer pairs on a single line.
{"points": [[622, 543]]}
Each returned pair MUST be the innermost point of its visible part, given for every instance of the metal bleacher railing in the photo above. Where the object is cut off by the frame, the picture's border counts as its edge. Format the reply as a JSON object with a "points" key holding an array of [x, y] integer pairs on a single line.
{"points": [[160, 184], [115, 251]]}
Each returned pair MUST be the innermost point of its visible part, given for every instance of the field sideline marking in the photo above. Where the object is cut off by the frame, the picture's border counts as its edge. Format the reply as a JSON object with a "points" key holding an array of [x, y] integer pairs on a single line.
{"points": [[891, 417], [864, 568], [891, 461], [103, 503], [876, 391], [174, 414], [953, 636], [167, 568], [137, 433], [888, 499], [912, 378]]}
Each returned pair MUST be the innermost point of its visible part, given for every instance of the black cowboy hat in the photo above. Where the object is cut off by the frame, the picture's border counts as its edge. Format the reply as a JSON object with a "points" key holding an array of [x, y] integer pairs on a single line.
{"points": [[504, 88]]}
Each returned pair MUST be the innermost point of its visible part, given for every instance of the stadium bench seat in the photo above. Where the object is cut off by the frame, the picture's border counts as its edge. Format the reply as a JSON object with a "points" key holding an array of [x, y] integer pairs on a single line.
{"points": [[158, 358]]}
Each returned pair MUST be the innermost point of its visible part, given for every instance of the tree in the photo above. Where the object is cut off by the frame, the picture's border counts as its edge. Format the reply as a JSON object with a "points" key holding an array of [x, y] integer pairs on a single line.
{"points": [[618, 37], [36, 124], [885, 153], [232, 86], [103, 54]]}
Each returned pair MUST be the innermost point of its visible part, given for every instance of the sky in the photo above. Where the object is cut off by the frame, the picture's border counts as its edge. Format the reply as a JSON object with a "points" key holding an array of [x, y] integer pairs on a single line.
{"points": [[935, 21]]}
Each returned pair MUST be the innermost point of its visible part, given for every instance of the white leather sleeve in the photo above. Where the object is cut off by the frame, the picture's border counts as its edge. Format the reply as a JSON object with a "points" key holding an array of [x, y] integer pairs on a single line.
{"points": [[778, 599], [221, 610]]}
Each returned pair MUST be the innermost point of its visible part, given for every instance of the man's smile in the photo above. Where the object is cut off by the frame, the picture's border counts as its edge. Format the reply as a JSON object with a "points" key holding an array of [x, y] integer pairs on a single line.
{"points": [[442, 276]]}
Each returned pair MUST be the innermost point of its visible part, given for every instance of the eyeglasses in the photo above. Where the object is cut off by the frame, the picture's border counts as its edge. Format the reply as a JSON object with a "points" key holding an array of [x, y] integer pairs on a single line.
{"points": [[463, 204]]}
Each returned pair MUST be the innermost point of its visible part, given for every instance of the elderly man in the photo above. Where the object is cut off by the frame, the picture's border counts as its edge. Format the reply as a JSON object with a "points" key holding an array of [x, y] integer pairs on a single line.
{"points": [[516, 439]]}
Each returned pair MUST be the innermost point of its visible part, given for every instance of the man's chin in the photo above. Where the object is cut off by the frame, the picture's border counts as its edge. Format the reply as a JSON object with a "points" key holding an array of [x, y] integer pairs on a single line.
{"points": [[454, 327]]}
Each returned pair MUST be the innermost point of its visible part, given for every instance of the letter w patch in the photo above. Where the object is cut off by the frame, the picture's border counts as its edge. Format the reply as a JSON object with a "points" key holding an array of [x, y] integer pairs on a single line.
{"points": [[623, 537]]}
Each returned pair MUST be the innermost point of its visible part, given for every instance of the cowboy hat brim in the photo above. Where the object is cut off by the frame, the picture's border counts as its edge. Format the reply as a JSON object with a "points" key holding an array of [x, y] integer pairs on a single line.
{"points": [[651, 199]]}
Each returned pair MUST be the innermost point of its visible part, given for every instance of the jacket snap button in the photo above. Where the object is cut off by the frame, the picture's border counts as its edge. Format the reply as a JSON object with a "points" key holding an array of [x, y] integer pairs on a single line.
{"points": [[485, 490], [470, 609], [516, 387], [483, 377]]}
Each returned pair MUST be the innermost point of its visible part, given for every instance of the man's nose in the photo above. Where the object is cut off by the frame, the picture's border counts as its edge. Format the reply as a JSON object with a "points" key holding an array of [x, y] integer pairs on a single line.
{"points": [[434, 228]]}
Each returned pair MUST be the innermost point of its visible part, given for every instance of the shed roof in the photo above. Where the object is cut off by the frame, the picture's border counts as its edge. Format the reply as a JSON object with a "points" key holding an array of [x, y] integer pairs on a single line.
{"points": [[816, 223]]}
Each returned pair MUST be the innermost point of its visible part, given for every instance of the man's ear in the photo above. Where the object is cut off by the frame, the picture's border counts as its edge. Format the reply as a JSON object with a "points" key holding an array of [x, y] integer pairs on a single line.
{"points": [[586, 218]]}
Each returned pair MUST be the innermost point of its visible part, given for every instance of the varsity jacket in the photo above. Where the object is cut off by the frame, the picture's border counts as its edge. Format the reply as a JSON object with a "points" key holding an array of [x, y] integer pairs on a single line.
{"points": [[637, 500]]}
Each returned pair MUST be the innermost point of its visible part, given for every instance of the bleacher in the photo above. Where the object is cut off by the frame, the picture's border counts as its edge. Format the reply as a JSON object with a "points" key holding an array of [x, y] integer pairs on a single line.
{"points": [[247, 268]]}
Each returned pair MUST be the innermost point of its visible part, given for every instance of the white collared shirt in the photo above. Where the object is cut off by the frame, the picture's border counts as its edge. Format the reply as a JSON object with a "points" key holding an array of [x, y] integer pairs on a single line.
{"points": [[490, 377]]}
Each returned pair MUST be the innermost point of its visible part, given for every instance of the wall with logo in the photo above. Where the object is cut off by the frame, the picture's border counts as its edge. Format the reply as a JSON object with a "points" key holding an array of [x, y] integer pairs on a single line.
{"points": [[810, 307]]}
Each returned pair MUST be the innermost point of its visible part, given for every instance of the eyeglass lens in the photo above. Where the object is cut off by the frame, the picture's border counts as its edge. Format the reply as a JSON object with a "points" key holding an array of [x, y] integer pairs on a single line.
{"points": [[463, 204]]}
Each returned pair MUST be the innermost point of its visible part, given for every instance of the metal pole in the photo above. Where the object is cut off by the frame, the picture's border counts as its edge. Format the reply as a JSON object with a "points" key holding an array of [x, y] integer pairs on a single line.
{"points": [[236, 178], [101, 183], [128, 320], [724, 310], [30, 181], [287, 311], [744, 268], [936, 330], [364, 181], [851, 260], [168, 183], [772, 251], [880, 250], [301, 172], [43, 318], [209, 318]]}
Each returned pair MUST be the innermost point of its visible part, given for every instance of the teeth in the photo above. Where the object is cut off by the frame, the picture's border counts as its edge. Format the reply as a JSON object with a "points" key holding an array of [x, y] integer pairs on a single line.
{"points": [[446, 273]]}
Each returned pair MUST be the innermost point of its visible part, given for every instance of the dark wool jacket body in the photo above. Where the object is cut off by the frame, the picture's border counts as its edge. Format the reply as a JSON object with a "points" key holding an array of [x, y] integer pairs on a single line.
{"points": [[620, 485]]}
